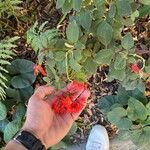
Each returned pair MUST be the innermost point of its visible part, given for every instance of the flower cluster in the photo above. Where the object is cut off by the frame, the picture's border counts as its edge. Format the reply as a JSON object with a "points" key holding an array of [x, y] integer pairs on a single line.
{"points": [[39, 69], [135, 68], [70, 99]]}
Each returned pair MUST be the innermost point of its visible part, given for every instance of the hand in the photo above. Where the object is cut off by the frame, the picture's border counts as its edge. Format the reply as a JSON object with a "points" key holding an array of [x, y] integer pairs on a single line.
{"points": [[43, 122]]}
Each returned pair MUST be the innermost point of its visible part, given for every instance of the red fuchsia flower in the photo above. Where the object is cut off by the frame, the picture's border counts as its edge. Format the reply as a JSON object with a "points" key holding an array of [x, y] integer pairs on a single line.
{"points": [[71, 99], [39, 69], [135, 68]]}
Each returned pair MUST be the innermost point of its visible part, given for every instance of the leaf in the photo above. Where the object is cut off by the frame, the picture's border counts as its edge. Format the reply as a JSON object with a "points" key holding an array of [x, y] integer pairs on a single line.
{"points": [[120, 62], [127, 42], [67, 6], [3, 111], [105, 33], [145, 10], [136, 110], [141, 137], [85, 19], [20, 66], [124, 8], [147, 69], [99, 3], [106, 102], [112, 11], [60, 145], [117, 74], [10, 130], [145, 2], [77, 4], [73, 129], [60, 3], [118, 117], [23, 80], [58, 56], [90, 66], [148, 108], [3, 124], [104, 56], [72, 32]]}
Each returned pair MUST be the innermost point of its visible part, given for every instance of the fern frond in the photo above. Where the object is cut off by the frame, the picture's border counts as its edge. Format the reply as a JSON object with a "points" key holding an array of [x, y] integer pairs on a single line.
{"points": [[39, 38], [6, 54]]}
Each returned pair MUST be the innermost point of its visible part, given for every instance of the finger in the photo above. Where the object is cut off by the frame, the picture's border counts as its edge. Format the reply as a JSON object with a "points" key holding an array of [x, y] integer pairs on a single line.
{"points": [[82, 100], [43, 91]]}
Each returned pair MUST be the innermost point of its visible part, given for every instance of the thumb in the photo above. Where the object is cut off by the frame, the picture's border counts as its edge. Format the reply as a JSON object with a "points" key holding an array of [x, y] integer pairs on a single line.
{"points": [[43, 91]]}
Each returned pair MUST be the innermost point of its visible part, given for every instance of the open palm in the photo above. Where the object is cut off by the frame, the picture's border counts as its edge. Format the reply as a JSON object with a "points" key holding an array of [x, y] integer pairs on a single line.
{"points": [[43, 122]]}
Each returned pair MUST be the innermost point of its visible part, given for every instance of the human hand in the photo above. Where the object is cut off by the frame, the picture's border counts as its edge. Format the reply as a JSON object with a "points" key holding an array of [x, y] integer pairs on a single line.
{"points": [[50, 127]]}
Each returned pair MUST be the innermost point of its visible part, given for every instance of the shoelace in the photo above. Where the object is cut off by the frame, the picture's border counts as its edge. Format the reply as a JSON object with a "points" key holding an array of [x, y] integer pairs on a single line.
{"points": [[95, 145]]}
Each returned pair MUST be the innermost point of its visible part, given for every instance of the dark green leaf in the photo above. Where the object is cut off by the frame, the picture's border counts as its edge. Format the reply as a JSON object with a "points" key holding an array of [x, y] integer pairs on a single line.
{"points": [[20, 66], [23, 80], [3, 124], [73, 129], [106, 102]]}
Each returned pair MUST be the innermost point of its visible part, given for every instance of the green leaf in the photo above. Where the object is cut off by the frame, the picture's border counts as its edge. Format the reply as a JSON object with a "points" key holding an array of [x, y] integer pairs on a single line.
{"points": [[117, 74], [3, 124], [147, 69], [120, 62], [141, 137], [90, 66], [136, 110], [127, 42], [23, 80], [3, 111], [20, 113], [106, 102], [112, 11], [67, 6], [60, 145], [124, 8], [118, 117], [58, 56], [145, 10], [73, 129], [20, 66], [99, 3], [85, 19], [77, 4], [104, 56], [148, 108], [72, 32], [105, 33], [145, 2], [60, 3], [10, 130]]}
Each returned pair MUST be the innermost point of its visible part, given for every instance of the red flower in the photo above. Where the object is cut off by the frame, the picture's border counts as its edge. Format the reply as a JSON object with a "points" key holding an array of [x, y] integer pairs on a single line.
{"points": [[39, 69], [71, 99], [135, 68]]}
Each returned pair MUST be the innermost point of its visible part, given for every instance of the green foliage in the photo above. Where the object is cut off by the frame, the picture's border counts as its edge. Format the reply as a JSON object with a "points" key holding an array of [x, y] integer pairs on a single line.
{"points": [[22, 71], [39, 38], [6, 54], [10, 7], [129, 111]]}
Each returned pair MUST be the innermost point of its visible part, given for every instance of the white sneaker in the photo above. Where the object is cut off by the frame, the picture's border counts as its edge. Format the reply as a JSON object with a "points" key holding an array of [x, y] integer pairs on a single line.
{"points": [[98, 139]]}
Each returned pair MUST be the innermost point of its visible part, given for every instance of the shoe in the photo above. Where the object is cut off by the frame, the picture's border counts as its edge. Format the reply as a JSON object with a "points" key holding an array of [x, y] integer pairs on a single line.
{"points": [[98, 139]]}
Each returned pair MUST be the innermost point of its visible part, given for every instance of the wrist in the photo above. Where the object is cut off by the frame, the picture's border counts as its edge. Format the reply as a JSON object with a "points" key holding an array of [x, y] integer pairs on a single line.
{"points": [[36, 134]]}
